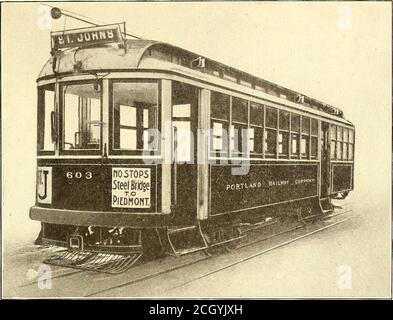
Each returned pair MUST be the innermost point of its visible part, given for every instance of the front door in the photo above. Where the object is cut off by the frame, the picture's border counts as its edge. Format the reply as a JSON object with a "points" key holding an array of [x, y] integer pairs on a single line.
{"points": [[185, 103]]}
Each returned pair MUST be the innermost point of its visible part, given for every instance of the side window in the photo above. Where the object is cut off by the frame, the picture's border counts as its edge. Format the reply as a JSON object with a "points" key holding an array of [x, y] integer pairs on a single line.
{"points": [[46, 107], [314, 139], [239, 110], [271, 132], [345, 144], [220, 109], [333, 141], [295, 136], [185, 99], [351, 143], [239, 127], [219, 105], [283, 135], [256, 129], [339, 143], [305, 138], [218, 135]]}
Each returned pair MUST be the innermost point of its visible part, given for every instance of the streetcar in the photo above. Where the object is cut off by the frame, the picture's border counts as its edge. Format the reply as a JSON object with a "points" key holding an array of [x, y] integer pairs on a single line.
{"points": [[145, 148]]}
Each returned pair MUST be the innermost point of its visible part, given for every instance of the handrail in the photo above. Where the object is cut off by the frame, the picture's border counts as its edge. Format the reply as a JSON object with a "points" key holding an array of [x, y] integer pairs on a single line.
{"points": [[175, 164]]}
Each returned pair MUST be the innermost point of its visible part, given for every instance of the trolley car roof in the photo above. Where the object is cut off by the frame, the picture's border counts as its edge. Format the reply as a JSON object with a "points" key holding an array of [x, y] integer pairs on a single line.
{"points": [[138, 54], [107, 57]]}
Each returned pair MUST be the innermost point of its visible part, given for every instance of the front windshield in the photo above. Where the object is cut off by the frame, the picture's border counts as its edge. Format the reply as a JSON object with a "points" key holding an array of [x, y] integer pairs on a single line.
{"points": [[81, 116], [135, 111]]}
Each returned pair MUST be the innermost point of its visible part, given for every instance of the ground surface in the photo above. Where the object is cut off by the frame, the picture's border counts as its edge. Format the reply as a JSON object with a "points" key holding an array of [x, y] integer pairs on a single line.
{"points": [[347, 260]]}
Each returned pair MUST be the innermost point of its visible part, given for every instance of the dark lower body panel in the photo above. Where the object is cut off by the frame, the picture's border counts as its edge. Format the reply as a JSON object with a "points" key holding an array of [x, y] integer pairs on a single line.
{"points": [[99, 218]]}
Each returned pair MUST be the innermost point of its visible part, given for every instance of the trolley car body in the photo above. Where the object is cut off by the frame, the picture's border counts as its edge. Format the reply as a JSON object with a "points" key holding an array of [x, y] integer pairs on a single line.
{"points": [[230, 146]]}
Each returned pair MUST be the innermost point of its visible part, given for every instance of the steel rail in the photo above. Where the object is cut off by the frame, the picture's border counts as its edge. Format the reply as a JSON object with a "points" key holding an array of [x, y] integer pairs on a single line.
{"points": [[157, 274], [258, 254]]}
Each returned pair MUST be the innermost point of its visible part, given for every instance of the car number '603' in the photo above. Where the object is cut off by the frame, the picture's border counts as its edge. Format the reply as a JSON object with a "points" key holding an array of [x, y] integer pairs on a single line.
{"points": [[78, 175]]}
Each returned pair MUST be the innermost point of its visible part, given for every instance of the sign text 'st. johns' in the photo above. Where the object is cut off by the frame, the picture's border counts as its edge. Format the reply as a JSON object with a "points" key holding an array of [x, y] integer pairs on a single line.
{"points": [[131, 187], [86, 37]]}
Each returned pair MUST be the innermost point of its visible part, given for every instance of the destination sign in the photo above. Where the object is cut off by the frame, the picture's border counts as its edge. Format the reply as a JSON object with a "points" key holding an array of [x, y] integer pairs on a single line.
{"points": [[86, 36], [131, 187]]}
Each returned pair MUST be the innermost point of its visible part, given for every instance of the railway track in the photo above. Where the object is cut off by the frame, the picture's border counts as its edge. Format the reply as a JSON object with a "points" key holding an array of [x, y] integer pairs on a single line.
{"points": [[137, 279], [64, 272], [258, 254], [191, 276]]}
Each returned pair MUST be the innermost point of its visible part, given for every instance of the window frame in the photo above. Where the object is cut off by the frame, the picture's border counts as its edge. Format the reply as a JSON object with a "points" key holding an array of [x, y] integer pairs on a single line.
{"points": [[284, 132], [351, 144], [61, 131], [307, 136], [229, 106], [244, 125], [111, 148], [223, 138], [226, 123], [297, 134], [257, 127], [315, 137], [312, 134], [334, 139], [41, 119], [271, 129]]}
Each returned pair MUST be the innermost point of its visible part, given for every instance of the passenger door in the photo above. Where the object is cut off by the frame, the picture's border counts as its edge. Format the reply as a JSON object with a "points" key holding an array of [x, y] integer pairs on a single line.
{"points": [[185, 103]]}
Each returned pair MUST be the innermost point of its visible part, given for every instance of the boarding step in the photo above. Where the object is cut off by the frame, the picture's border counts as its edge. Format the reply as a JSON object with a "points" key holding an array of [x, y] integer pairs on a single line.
{"points": [[223, 236], [266, 222], [94, 261], [326, 206], [185, 240], [181, 229]]}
